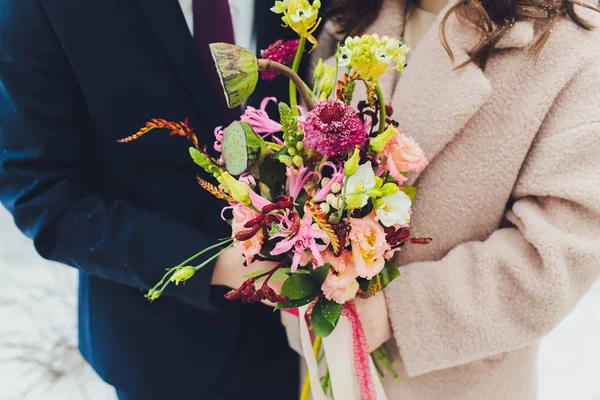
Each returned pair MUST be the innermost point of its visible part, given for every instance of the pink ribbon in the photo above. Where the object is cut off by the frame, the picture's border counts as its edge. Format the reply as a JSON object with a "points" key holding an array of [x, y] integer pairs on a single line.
{"points": [[360, 349], [361, 353]]}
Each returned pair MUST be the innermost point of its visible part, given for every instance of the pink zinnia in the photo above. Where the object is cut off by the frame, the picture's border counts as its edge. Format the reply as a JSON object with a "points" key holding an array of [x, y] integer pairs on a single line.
{"points": [[333, 128], [282, 52]]}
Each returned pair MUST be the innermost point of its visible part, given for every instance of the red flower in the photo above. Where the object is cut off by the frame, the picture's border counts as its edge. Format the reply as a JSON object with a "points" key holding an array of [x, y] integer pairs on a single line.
{"points": [[282, 52]]}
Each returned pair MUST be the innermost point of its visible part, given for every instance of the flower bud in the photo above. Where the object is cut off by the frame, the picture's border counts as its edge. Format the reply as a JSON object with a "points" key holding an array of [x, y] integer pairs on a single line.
{"points": [[336, 187], [152, 294], [330, 198], [239, 190], [380, 141], [325, 181], [373, 193], [183, 274], [287, 160], [351, 165], [325, 208], [318, 73], [389, 188], [298, 161], [333, 219]]}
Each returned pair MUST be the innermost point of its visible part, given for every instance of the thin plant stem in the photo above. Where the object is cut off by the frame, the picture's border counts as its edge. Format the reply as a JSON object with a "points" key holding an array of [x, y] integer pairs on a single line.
{"points": [[382, 115], [306, 386], [295, 68], [270, 65], [213, 257]]}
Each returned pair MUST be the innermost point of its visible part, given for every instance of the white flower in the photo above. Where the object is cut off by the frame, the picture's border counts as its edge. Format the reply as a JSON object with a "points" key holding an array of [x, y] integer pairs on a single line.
{"points": [[394, 209], [382, 56], [345, 57], [280, 6], [363, 179], [302, 14]]}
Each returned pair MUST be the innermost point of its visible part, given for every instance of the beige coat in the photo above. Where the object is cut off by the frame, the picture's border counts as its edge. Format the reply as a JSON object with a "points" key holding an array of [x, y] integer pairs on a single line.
{"points": [[511, 198]]}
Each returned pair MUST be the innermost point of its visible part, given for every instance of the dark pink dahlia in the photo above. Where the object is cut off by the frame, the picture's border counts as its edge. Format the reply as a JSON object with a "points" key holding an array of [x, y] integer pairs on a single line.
{"points": [[282, 52], [333, 128]]}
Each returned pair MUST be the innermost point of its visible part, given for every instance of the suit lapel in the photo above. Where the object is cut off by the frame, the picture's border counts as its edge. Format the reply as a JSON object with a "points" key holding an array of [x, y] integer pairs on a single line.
{"points": [[166, 20]]}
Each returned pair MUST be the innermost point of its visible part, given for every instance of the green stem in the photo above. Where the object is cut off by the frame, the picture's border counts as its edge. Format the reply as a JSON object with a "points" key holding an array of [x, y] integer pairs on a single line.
{"points": [[306, 387], [212, 258], [382, 115], [214, 246], [274, 146], [295, 68]]}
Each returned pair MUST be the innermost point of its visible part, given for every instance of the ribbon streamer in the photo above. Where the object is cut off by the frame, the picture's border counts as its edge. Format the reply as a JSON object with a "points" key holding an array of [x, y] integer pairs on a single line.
{"points": [[352, 372]]}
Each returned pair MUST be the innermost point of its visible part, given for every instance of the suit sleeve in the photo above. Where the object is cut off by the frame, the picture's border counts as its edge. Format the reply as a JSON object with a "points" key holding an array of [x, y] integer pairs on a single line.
{"points": [[505, 293], [53, 191]]}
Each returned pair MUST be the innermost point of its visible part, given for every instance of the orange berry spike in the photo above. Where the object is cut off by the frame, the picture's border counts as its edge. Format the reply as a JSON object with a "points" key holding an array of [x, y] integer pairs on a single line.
{"points": [[176, 128], [215, 190], [321, 220]]}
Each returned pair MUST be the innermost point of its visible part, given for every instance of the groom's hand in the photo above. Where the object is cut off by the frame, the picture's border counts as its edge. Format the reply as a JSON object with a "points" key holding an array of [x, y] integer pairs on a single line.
{"points": [[373, 315]]}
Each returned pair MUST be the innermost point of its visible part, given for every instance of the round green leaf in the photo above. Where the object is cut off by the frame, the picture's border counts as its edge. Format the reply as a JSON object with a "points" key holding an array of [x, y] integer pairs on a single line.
{"points": [[299, 286]]}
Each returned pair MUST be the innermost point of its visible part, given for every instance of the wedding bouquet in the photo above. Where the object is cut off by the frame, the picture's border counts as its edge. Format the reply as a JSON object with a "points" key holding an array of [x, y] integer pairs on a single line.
{"points": [[319, 190]]}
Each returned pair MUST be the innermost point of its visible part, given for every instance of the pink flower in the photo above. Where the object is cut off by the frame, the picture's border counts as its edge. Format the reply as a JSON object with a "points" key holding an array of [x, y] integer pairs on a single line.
{"points": [[403, 154], [251, 247], [297, 179], [259, 119], [333, 128], [369, 245], [218, 132], [300, 236], [337, 177], [340, 287], [281, 51]]}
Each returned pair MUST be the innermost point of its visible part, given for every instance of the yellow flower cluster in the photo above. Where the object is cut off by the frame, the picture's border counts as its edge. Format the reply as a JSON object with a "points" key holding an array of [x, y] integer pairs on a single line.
{"points": [[370, 56], [301, 16]]}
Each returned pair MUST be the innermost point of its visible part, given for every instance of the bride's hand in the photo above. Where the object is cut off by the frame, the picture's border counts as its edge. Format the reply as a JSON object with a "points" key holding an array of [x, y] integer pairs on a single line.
{"points": [[373, 315]]}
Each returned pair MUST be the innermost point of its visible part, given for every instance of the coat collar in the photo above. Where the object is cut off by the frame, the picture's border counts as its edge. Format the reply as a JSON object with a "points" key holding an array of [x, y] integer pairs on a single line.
{"points": [[433, 100], [165, 19]]}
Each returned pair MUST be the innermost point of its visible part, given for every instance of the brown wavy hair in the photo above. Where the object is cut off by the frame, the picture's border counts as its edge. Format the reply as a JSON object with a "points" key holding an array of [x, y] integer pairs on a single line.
{"points": [[492, 18]]}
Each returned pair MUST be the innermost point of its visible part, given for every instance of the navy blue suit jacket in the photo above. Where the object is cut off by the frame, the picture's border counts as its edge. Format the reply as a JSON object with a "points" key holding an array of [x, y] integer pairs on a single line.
{"points": [[75, 76]]}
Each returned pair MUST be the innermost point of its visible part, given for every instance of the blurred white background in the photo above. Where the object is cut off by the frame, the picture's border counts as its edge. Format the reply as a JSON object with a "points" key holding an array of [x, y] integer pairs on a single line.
{"points": [[39, 359]]}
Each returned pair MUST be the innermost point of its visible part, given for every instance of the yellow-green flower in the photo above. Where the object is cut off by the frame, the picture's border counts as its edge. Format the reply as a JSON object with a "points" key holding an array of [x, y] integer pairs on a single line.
{"points": [[326, 83], [379, 142], [183, 274], [239, 190], [370, 56], [301, 16]]}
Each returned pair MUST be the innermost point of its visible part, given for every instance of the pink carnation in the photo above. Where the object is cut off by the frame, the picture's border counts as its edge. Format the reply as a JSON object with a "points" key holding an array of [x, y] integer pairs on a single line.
{"points": [[251, 247], [369, 245], [333, 128], [403, 155], [281, 51], [340, 286]]}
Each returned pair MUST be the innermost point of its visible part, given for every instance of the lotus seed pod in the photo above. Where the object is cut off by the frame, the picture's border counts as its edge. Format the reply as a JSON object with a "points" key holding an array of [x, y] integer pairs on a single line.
{"points": [[238, 71]]}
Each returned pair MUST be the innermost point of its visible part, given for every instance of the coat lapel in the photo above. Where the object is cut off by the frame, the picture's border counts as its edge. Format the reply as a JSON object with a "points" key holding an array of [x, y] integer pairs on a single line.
{"points": [[433, 100], [166, 20]]}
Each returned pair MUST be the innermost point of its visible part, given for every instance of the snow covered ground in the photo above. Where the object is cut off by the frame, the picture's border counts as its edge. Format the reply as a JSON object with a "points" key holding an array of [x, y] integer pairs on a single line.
{"points": [[39, 359]]}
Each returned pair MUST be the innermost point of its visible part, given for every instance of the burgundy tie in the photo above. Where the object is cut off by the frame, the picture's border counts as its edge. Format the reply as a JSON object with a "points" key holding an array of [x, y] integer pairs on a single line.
{"points": [[213, 23]]}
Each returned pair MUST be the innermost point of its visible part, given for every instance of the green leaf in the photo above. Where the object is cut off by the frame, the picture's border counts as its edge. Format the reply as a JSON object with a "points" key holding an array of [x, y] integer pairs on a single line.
{"points": [[389, 272], [410, 191], [320, 273], [320, 324], [330, 310], [272, 174], [295, 303], [299, 286]]}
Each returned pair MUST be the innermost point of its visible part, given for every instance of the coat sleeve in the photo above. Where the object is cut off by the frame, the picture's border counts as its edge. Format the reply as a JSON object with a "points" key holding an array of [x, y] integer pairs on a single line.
{"points": [[53, 191], [505, 293]]}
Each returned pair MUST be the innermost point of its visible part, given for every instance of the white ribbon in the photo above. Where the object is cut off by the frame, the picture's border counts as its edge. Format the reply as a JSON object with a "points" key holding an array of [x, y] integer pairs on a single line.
{"points": [[339, 353]]}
